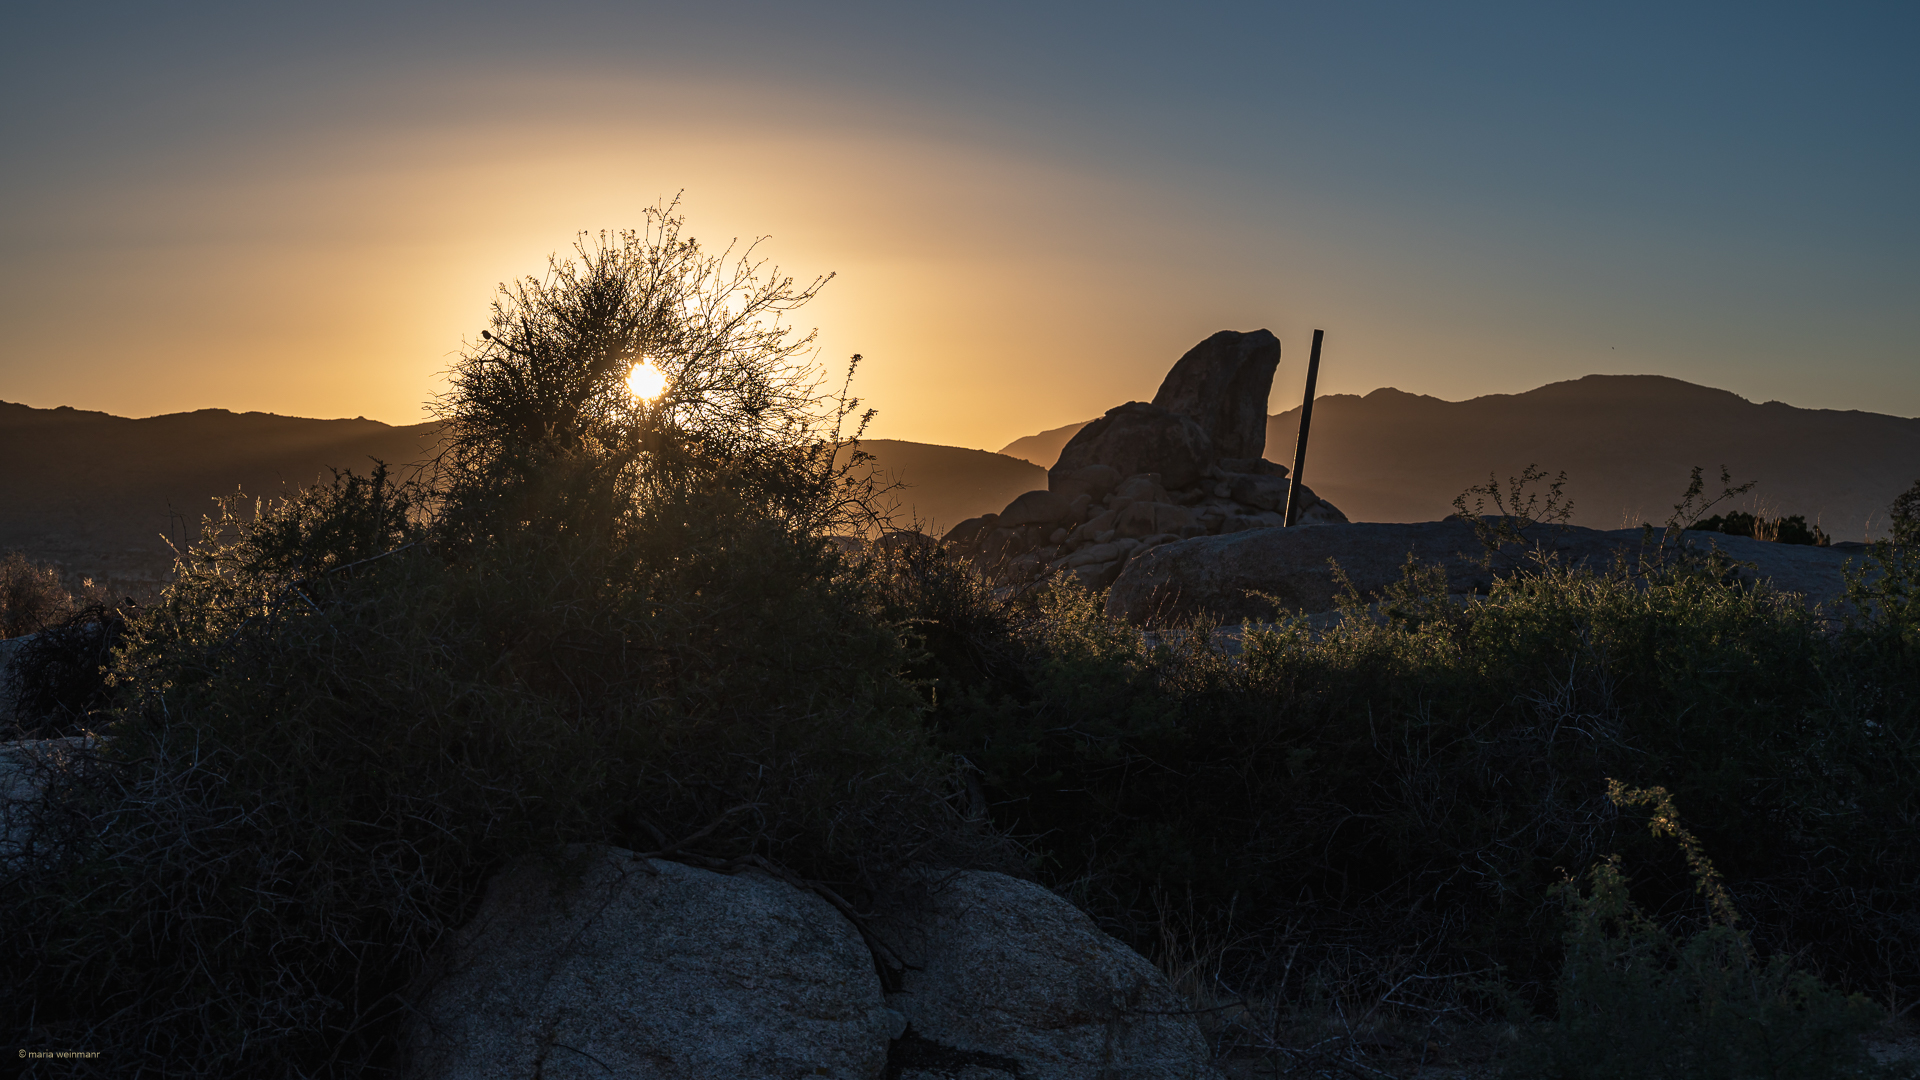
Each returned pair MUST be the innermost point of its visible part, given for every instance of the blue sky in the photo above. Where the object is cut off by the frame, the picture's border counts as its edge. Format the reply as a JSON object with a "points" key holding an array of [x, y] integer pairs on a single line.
{"points": [[1032, 209]]}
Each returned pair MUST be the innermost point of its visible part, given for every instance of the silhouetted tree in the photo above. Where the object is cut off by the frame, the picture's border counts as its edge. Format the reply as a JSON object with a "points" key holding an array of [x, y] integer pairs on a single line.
{"points": [[543, 426]]}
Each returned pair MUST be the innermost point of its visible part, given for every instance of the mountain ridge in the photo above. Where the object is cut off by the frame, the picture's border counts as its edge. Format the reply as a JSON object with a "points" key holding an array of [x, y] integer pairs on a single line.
{"points": [[1627, 442], [104, 496], [95, 492]]}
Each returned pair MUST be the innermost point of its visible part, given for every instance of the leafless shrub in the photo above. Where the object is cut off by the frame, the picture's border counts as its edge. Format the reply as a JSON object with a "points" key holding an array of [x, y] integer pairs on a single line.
{"points": [[31, 595]]}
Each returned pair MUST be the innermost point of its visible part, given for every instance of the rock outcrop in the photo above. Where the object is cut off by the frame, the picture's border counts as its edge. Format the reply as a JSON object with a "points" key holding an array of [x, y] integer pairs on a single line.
{"points": [[1005, 980], [1140, 438], [646, 968], [1223, 383], [643, 968], [1220, 575], [1146, 474]]}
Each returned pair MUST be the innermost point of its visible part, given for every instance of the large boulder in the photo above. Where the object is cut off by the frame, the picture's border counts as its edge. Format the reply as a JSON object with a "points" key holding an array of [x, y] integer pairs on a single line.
{"points": [[1215, 575], [1005, 980], [1148, 518], [1260, 491], [1040, 508], [1223, 383], [1140, 438], [645, 968], [1093, 481], [1221, 575], [970, 532]]}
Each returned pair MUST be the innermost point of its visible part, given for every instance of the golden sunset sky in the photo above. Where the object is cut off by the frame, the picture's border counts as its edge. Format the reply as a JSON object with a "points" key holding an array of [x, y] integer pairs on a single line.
{"points": [[1031, 209]]}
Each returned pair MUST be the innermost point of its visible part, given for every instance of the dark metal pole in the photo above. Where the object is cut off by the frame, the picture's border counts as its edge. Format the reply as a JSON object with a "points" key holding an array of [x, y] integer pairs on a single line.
{"points": [[1306, 421]]}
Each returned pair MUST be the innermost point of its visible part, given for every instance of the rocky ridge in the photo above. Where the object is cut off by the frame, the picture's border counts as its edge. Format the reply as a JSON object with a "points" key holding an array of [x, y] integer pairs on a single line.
{"points": [[1185, 465]]}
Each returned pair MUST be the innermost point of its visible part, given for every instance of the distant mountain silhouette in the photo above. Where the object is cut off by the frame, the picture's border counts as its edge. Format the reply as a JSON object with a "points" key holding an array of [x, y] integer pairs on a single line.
{"points": [[945, 485], [95, 493], [1043, 449], [1626, 442]]}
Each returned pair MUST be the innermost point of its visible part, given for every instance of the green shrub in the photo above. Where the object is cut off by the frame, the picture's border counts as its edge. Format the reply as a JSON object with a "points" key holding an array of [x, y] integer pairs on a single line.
{"points": [[1635, 1002], [56, 681], [1780, 530], [1885, 592], [1419, 783], [31, 595]]}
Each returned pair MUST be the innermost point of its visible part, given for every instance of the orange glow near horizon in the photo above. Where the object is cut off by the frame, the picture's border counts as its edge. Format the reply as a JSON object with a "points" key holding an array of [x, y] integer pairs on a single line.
{"points": [[996, 291]]}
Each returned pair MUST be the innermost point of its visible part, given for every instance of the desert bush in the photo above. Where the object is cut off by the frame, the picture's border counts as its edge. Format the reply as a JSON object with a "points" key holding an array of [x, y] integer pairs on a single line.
{"points": [[57, 681], [1780, 530], [1884, 593], [31, 595], [1504, 515], [599, 620], [1635, 1000], [54, 680], [1414, 780]]}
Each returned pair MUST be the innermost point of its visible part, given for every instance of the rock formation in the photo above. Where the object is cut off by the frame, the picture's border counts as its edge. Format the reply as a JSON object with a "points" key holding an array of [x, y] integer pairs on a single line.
{"points": [[1006, 981], [644, 968], [1223, 383], [1138, 438], [647, 968], [1186, 465]]}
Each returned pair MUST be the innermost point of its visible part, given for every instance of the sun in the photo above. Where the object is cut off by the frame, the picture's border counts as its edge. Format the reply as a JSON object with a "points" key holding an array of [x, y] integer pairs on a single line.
{"points": [[646, 382]]}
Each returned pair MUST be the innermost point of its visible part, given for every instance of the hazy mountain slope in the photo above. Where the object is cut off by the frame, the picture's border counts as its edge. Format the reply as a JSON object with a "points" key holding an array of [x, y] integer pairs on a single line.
{"points": [[1043, 449], [96, 492], [1626, 442], [945, 485]]}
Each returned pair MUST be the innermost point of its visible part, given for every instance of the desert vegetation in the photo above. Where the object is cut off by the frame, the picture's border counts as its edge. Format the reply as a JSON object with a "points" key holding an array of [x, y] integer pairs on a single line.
{"points": [[1791, 529], [35, 596], [1408, 816], [31, 595], [596, 618], [1637, 822]]}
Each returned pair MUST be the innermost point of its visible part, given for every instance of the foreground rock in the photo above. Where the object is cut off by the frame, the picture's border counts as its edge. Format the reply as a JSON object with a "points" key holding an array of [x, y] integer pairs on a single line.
{"points": [[1186, 465], [654, 969], [1219, 575], [643, 968], [1006, 980]]}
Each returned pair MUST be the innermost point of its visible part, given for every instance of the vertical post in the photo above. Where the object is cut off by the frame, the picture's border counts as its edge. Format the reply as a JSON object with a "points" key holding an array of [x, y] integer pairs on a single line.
{"points": [[1306, 421]]}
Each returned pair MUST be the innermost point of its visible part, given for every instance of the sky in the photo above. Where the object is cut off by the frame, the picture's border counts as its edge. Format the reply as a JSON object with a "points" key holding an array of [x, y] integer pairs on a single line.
{"points": [[1030, 209]]}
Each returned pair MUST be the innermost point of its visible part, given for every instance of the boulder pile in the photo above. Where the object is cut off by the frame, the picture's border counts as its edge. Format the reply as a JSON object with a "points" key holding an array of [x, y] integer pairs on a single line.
{"points": [[1186, 464]]}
